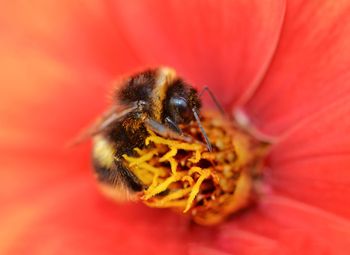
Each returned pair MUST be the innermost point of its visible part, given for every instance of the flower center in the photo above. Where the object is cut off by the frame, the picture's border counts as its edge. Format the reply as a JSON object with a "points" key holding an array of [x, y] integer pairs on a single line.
{"points": [[207, 186]]}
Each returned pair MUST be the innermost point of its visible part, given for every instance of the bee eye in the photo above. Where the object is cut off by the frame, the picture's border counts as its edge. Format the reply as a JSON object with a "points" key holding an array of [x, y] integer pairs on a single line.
{"points": [[180, 109], [178, 103]]}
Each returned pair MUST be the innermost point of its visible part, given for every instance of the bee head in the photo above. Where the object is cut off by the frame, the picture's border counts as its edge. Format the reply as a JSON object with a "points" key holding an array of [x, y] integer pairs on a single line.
{"points": [[179, 103]]}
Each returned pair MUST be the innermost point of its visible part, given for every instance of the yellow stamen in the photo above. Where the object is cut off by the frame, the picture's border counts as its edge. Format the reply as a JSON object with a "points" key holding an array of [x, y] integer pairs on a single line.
{"points": [[162, 187], [175, 195], [143, 158], [208, 186], [195, 189]]}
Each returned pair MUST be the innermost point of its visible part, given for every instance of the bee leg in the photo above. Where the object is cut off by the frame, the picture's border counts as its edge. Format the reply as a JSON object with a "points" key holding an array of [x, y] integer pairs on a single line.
{"points": [[173, 125], [117, 175], [164, 131]]}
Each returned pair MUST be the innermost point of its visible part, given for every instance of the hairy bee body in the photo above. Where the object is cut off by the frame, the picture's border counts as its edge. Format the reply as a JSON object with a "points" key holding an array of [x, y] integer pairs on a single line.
{"points": [[155, 99], [107, 155]]}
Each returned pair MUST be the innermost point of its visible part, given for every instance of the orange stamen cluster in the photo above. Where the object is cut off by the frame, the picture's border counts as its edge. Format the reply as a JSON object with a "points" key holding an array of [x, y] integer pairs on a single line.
{"points": [[208, 186]]}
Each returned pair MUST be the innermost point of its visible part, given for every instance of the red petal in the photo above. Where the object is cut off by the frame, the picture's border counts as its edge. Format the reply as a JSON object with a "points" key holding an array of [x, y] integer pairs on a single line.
{"points": [[312, 163], [56, 56], [226, 45], [52, 208], [311, 66], [60, 57], [57, 60], [285, 226]]}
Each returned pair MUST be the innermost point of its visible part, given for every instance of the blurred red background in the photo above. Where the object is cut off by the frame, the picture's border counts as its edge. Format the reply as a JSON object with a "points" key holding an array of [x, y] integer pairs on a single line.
{"points": [[284, 63]]}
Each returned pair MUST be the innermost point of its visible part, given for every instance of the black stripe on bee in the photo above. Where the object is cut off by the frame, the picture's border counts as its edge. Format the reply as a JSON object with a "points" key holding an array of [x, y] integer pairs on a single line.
{"points": [[117, 175], [109, 164], [138, 88]]}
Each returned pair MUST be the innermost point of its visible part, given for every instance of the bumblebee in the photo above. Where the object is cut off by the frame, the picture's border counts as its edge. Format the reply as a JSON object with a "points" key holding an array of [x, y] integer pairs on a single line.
{"points": [[154, 100]]}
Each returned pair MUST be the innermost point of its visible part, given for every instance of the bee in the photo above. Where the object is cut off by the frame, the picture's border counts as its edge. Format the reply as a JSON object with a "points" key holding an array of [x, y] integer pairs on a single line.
{"points": [[155, 100]]}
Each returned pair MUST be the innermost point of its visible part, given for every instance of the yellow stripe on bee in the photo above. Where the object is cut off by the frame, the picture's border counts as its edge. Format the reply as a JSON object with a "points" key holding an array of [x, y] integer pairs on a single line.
{"points": [[103, 151], [165, 76]]}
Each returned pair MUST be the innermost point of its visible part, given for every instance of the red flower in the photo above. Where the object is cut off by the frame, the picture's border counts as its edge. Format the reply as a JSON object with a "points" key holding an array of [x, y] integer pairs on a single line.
{"points": [[285, 64]]}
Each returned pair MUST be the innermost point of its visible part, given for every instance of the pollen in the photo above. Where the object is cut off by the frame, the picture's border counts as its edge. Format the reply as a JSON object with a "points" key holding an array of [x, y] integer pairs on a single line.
{"points": [[207, 186]]}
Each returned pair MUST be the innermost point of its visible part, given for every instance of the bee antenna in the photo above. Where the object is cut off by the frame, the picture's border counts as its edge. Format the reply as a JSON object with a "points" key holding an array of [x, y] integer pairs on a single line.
{"points": [[212, 96], [202, 130]]}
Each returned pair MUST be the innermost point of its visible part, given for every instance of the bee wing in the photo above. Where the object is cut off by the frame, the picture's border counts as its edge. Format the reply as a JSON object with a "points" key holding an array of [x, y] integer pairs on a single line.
{"points": [[104, 121]]}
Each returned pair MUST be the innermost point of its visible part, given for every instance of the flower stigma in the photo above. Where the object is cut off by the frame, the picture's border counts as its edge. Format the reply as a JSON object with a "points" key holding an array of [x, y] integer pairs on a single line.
{"points": [[186, 177]]}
